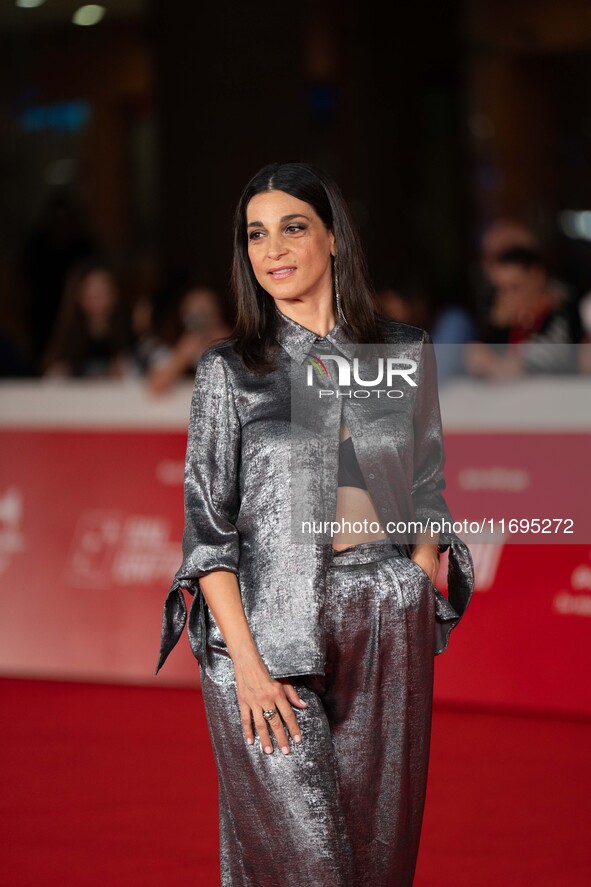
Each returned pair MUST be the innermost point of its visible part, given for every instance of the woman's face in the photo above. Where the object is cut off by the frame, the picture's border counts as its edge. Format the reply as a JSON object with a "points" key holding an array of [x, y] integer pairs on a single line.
{"points": [[97, 295], [289, 246]]}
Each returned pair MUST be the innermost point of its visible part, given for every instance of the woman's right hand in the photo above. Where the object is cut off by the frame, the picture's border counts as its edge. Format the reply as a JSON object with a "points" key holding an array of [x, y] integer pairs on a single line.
{"points": [[258, 691]]}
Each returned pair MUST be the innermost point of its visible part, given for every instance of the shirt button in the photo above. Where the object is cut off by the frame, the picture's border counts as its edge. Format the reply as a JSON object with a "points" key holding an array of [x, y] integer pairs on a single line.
{"points": [[372, 476]]}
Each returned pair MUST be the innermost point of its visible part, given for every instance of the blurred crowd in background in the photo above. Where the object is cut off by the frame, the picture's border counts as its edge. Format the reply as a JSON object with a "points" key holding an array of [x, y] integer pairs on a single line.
{"points": [[78, 321], [462, 148], [515, 300]]}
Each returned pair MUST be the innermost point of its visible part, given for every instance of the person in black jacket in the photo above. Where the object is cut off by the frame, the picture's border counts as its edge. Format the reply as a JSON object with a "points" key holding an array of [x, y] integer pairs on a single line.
{"points": [[531, 311]]}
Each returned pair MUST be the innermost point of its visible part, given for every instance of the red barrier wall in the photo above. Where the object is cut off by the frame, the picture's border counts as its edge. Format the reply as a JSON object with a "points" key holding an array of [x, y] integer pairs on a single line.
{"points": [[90, 533]]}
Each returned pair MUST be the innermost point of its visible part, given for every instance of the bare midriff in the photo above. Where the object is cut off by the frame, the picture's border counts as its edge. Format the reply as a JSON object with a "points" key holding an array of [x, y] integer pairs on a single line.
{"points": [[355, 504]]}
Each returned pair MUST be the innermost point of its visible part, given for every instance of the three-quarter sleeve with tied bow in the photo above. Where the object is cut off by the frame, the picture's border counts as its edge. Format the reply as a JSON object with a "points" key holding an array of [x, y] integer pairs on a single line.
{"points": [[429, 501], [212, 501]]}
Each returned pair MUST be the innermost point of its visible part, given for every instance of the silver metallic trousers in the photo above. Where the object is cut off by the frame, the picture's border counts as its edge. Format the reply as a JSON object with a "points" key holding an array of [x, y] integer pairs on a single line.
{"points": [[345, 807]]}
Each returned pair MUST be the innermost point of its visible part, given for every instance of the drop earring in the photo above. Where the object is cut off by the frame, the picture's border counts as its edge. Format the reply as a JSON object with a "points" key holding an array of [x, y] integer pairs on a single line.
{"points": [[338, 297]]}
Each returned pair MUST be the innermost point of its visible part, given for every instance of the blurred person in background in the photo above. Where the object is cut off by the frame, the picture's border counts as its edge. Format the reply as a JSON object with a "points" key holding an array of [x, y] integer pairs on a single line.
{"points": [[405, 302], [500, 236], [528, 310], [450, 326], [147, 349], [91, 336], [496, 238], [202, 322], [60, 238], [453, 327]]}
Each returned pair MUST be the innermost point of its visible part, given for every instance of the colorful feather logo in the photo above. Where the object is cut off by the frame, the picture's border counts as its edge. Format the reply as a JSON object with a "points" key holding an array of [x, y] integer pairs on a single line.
{"points": [[318, 365]]}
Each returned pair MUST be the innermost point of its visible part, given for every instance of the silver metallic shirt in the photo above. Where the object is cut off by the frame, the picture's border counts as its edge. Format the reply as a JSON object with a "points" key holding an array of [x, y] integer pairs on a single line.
{"points": [[262, 461]]}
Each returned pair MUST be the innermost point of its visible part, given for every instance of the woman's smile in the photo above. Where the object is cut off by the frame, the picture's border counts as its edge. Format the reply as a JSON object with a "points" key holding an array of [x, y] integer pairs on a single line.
{"points": [[283, 272]]}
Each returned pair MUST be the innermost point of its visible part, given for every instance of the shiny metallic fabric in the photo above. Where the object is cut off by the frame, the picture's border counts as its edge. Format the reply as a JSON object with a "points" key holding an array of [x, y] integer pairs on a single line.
{"points": [[345, 807], [240, 493], [356, 631]]}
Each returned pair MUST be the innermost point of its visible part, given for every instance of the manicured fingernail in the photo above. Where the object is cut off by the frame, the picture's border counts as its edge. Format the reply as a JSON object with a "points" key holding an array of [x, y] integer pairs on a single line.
{"points": [[249, 740], [285, 750], [305, 703], [268, 749], [297, 738]]}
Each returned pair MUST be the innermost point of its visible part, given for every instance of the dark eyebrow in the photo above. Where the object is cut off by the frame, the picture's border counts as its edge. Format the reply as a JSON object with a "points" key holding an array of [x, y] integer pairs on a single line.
{"points": [[294, 216], [287, 218]]}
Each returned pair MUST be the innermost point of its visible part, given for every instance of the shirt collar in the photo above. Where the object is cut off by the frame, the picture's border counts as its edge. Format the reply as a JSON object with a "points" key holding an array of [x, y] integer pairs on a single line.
{"points": [[298, 340]]}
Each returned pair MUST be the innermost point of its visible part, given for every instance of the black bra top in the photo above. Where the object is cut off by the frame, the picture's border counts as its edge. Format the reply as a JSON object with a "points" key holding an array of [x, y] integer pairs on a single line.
{"points": [[349, 471]]}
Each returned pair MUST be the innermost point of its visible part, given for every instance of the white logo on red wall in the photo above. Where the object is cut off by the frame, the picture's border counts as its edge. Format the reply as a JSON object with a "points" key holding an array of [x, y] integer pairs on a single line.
{"points": [[114, 548], [12, 540], [577, 600], [510, 480]]}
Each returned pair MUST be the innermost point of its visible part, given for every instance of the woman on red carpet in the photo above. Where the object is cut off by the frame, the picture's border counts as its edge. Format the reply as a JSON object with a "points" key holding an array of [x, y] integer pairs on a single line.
{"points": [[315, 619]]}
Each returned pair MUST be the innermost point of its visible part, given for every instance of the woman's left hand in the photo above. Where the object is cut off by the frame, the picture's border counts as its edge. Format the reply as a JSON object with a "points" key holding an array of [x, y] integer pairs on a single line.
{"points": [[431, 568], [427, 558]]}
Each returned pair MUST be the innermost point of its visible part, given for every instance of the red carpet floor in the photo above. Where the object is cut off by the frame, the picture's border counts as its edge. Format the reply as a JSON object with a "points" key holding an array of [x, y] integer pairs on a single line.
{"points": [[111, 786]]}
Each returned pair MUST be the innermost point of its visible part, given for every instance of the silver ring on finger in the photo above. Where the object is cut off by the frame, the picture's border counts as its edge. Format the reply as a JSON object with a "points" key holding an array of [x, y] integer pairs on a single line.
{"points": [[269, 713]]}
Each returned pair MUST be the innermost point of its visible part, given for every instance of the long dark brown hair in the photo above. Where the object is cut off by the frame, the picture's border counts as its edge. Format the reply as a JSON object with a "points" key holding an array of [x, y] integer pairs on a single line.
{"points": [[255, 325], [71, 338]]}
